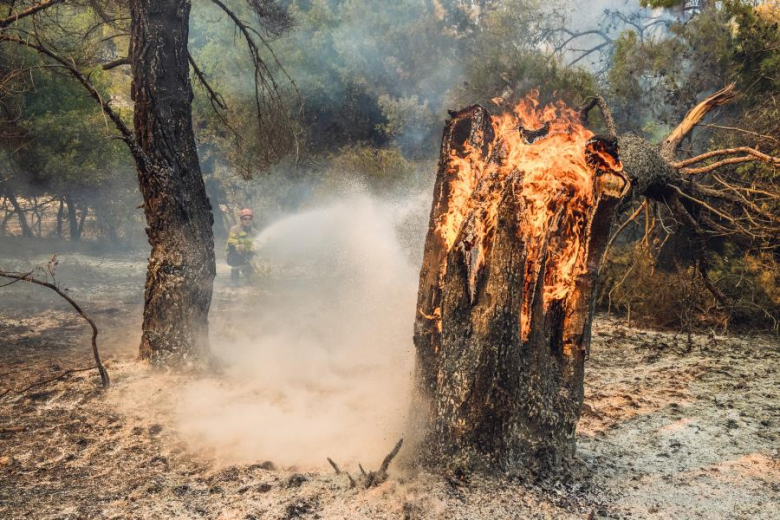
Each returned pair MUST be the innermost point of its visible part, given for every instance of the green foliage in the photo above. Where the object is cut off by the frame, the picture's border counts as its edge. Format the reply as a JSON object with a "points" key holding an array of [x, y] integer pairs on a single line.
{"points": [[634, 285], [661, 4], [379, 169]]}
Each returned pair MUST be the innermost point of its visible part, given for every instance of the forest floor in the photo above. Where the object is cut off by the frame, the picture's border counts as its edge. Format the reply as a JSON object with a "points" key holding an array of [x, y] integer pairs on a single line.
{"points": [[674, 427]]}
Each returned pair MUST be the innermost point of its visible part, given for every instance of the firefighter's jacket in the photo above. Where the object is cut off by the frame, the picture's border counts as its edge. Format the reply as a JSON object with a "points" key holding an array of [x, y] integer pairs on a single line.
{"points": [[238, 236]]}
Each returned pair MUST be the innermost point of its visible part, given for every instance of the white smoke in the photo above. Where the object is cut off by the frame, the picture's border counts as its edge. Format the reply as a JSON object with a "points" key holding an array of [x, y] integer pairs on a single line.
{"points": [[319, 362]]}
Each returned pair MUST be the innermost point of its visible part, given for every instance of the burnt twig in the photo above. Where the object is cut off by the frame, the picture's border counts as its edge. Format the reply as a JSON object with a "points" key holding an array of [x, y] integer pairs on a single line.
{"points": [[63, 375], [27, 277], [377, 477], [335, 466]]}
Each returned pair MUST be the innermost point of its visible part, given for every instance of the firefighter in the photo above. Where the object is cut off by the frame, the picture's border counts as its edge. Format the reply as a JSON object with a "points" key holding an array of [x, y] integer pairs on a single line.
{"points": [[240, 248]]}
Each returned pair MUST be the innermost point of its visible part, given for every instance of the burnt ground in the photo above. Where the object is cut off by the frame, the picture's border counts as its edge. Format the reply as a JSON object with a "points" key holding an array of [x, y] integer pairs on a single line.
{"points": [[672, 428]]}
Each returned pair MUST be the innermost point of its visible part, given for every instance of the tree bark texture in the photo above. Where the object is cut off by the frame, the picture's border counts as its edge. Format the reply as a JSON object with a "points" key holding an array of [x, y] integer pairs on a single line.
{"points": [[178, 213], [493, 392]]}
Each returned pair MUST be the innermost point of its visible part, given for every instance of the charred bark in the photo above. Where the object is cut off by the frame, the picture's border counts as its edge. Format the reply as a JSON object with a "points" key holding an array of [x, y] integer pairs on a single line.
{"points": [[178, 213], [493, 392], [500, 359]]}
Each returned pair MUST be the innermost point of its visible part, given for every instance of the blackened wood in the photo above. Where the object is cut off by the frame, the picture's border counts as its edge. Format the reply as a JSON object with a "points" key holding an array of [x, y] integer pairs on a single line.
{"points": [[178, 214], [490, 397]]}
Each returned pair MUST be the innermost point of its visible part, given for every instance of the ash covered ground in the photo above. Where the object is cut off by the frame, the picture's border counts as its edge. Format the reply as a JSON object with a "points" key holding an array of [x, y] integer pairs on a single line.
{"points": [[672, 428]]}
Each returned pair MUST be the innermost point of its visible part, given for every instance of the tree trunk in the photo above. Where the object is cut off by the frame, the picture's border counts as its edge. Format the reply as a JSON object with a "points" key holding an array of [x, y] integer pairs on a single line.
{"points": [[60, 215], [73, 222], [178, 214], [26, 231], [83, 218], [499, 372]]}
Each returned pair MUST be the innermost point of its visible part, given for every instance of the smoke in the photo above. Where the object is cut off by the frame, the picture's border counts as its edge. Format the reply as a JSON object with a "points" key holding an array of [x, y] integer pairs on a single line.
{"points": [[319, 360]]}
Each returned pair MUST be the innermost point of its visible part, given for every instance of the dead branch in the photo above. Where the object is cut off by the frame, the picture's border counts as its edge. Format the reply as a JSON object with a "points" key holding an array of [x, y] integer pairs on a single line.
{"points": [[216, 99], [11, 19], [692, 118], [371, 478], [37, 384], [335, 466], [742, 130], [116, 63], [390, 456], [756, 154], [588, 105], [679, 210], [619, 230], [27, 277], [726, 162], [377, 477]]}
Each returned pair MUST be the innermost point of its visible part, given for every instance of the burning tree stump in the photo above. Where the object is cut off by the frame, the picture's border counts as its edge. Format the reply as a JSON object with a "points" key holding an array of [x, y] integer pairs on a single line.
{"points": [[523, 205], [522, 210]]}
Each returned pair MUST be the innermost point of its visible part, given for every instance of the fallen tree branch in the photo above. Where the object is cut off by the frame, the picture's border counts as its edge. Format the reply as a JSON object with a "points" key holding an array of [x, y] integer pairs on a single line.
{"points": [[725, 162], [742, 130], [727, 151], [618, 231], [26, 277], [692, 118], [45, 381]]}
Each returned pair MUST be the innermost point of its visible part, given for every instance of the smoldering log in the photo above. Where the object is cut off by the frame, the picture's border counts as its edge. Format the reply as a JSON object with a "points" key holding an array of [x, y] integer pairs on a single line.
{"points": [[495, 391]]}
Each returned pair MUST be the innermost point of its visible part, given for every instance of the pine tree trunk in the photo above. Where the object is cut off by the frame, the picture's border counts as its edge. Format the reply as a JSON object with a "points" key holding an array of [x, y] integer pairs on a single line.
{"points": [[26, 231], [73, 223], [494, 393], [60, 215], [178, 214]]}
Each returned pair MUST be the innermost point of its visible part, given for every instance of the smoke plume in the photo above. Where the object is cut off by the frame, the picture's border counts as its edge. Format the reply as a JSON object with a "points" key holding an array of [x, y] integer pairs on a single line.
{"points": [[319, 358]]}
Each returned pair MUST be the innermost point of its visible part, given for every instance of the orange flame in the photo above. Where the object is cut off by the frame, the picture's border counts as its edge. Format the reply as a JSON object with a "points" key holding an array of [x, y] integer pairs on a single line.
{"points": [[557, 191]]}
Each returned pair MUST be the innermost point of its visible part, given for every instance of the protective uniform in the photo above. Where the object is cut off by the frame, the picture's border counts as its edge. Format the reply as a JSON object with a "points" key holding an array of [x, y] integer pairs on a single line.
{"points": [[240, 248]]}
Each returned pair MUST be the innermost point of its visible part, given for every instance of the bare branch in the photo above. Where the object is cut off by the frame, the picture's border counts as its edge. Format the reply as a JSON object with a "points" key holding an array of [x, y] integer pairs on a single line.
{"points": [[725, 162], [70, 66], [116, 63], [217, 101], [11, 19], [727, 151], [692, 118], [334, 466], [45, 381], [619, 230], [742, 130], [26, 277]]}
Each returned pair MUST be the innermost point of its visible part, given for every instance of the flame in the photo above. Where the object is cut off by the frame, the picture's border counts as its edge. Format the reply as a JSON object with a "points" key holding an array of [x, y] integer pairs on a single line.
{"points": [[557, 191]]}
